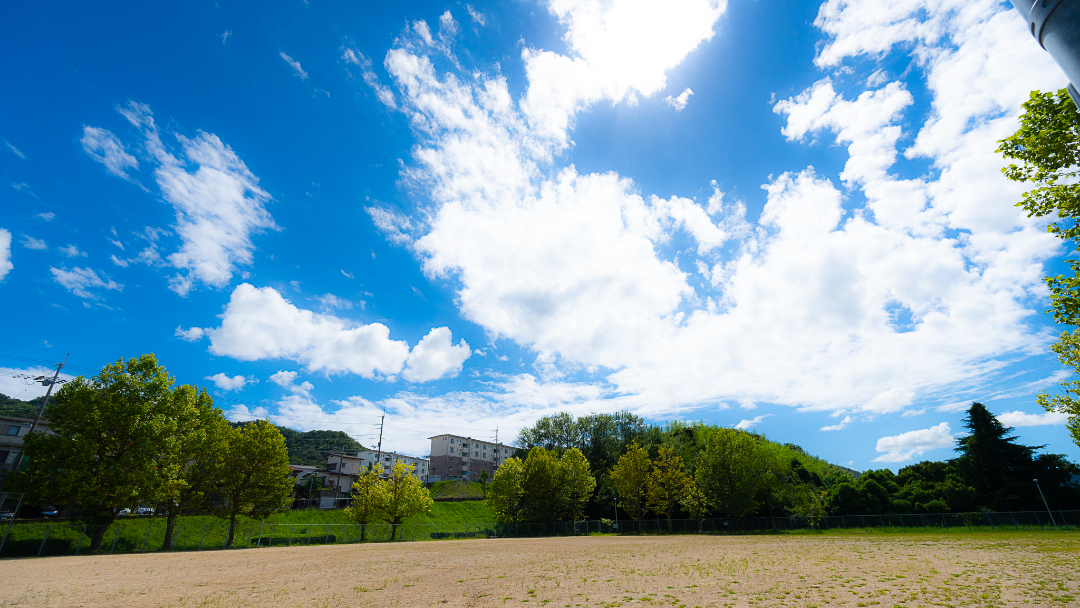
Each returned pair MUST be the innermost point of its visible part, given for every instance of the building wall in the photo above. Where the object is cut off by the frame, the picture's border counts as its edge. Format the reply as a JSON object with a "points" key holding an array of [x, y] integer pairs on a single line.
{"points": [[12, 432], [454, 456], [353, 465]]}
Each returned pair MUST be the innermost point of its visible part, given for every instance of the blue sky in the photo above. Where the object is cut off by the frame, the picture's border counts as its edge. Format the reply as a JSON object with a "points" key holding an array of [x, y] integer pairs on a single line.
{"points": [[775, 215]]}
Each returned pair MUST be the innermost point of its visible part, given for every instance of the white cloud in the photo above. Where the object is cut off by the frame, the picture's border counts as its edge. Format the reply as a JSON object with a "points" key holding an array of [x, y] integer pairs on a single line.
{"points": [[226, 383], [839, 426], [190, 334], [31, 243], [72, 251], [225, 37], [5, 253], [476, 15], [217, 200], [261, 324], [825, 303], [347, 275], [331, 302], [105, 148], [435, 356], [911, 445], [80, 281], [679, 102], [47, 216], [1018, 418], [18, 152], [750, 423], [295, 65]]}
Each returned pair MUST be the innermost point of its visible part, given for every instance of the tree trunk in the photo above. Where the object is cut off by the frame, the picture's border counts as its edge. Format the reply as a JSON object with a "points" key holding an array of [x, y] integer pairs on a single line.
{"points": [[232, 530], [393, 529], [97, 536], [772, 515], [170, 523]]}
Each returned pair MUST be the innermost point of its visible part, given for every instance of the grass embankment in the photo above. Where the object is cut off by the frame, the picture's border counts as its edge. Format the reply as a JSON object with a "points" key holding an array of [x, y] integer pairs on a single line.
{"points": [[456, 489]]}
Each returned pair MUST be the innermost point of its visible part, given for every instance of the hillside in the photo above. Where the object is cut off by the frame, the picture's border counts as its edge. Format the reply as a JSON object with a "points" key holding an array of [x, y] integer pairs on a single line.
{"points": [[10, 406], [311, 448]]}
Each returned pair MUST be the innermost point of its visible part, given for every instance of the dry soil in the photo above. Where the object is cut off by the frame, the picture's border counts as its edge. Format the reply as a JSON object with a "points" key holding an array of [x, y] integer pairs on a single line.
{"points": [[996, 569]]}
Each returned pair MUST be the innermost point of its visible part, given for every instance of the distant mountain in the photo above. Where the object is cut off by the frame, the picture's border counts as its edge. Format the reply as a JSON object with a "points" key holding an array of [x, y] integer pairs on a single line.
{"points": [[9, 406]]}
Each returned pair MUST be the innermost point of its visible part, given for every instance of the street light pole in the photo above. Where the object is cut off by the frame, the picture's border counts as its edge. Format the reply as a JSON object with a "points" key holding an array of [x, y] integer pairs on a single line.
{"points": [[1045, 504]]}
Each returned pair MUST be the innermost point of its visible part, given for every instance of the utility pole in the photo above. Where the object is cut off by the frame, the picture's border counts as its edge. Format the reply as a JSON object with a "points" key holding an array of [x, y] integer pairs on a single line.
{"points": [[49, 382], [378, 448], [341, 463]]}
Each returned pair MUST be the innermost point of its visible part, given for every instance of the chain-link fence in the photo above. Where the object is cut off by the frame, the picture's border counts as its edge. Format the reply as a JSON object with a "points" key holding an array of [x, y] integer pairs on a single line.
{"points": [[137, 535]]}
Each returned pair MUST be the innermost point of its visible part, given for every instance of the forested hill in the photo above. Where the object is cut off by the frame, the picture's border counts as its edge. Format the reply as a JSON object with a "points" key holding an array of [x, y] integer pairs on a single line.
{"points": [[10, 406], [313, 446]]}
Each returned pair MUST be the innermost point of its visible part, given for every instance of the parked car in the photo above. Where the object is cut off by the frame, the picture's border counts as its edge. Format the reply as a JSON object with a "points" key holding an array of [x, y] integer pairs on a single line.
{"points": [[146, 510], [49, 511], [6, 514]]}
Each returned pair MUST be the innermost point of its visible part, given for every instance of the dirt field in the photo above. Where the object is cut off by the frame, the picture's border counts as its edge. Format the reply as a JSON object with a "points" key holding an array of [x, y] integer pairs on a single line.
{"points": [[997, 569]]}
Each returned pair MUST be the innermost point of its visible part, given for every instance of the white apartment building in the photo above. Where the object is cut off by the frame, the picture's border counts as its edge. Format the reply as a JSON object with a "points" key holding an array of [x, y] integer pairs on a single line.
{"points": [[457, 457], [384, 463]]}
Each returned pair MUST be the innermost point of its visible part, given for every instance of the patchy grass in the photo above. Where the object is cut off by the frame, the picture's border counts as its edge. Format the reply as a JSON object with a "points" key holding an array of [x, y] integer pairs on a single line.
{"points": [[826, 570]]}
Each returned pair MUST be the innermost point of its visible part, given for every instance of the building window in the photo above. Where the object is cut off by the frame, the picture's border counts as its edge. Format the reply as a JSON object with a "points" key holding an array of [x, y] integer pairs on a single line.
{"points": [[13, 430], [332, 466]]}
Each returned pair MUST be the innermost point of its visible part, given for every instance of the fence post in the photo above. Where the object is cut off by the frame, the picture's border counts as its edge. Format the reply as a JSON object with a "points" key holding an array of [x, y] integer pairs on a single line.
{"points": [[1037, 519], [203, 537], [945, 523], [42, 548], [148, 528], [991, 520], [81, 535], [309, 534], [882, 518], [258, 543], [1013, 516], [115, 538], [327, 539], [251, 530], [923, 518]]}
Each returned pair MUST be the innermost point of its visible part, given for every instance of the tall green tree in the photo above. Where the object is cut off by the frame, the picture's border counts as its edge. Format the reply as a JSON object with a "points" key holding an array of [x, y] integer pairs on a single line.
{"points": [[667, 482], [696, 500], [254, 478], [505, 494], [196, 456], [402, 495], [366, 505], [540, 486], [992, 462], [575, 484], [731, 472], [1047, 146], [631, 478], [104, 452]]}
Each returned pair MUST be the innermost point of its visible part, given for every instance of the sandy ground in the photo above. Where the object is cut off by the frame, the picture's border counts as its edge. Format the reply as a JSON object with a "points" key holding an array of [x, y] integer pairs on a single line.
{"points": [[1001, 569]]}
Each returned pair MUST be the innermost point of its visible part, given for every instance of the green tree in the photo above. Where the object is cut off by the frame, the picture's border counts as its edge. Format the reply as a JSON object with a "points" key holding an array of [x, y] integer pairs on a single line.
{"points": [[731, 473], [575, 484], [254, 478], [196, 455], [108, 435], [667, 482], [1047, 144], [992, 462], [539, 486], [483, 479], [695, 500], [401, 496], [631, 478], [366, 505], [504, 496]]}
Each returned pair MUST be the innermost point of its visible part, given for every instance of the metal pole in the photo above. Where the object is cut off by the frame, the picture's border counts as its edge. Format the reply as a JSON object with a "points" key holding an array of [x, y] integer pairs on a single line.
{"points": [[148, 528], [203, 537], [115, 538], [81, 535], [37, 417], [42, 548], [341, 463], [1044, 503]]}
